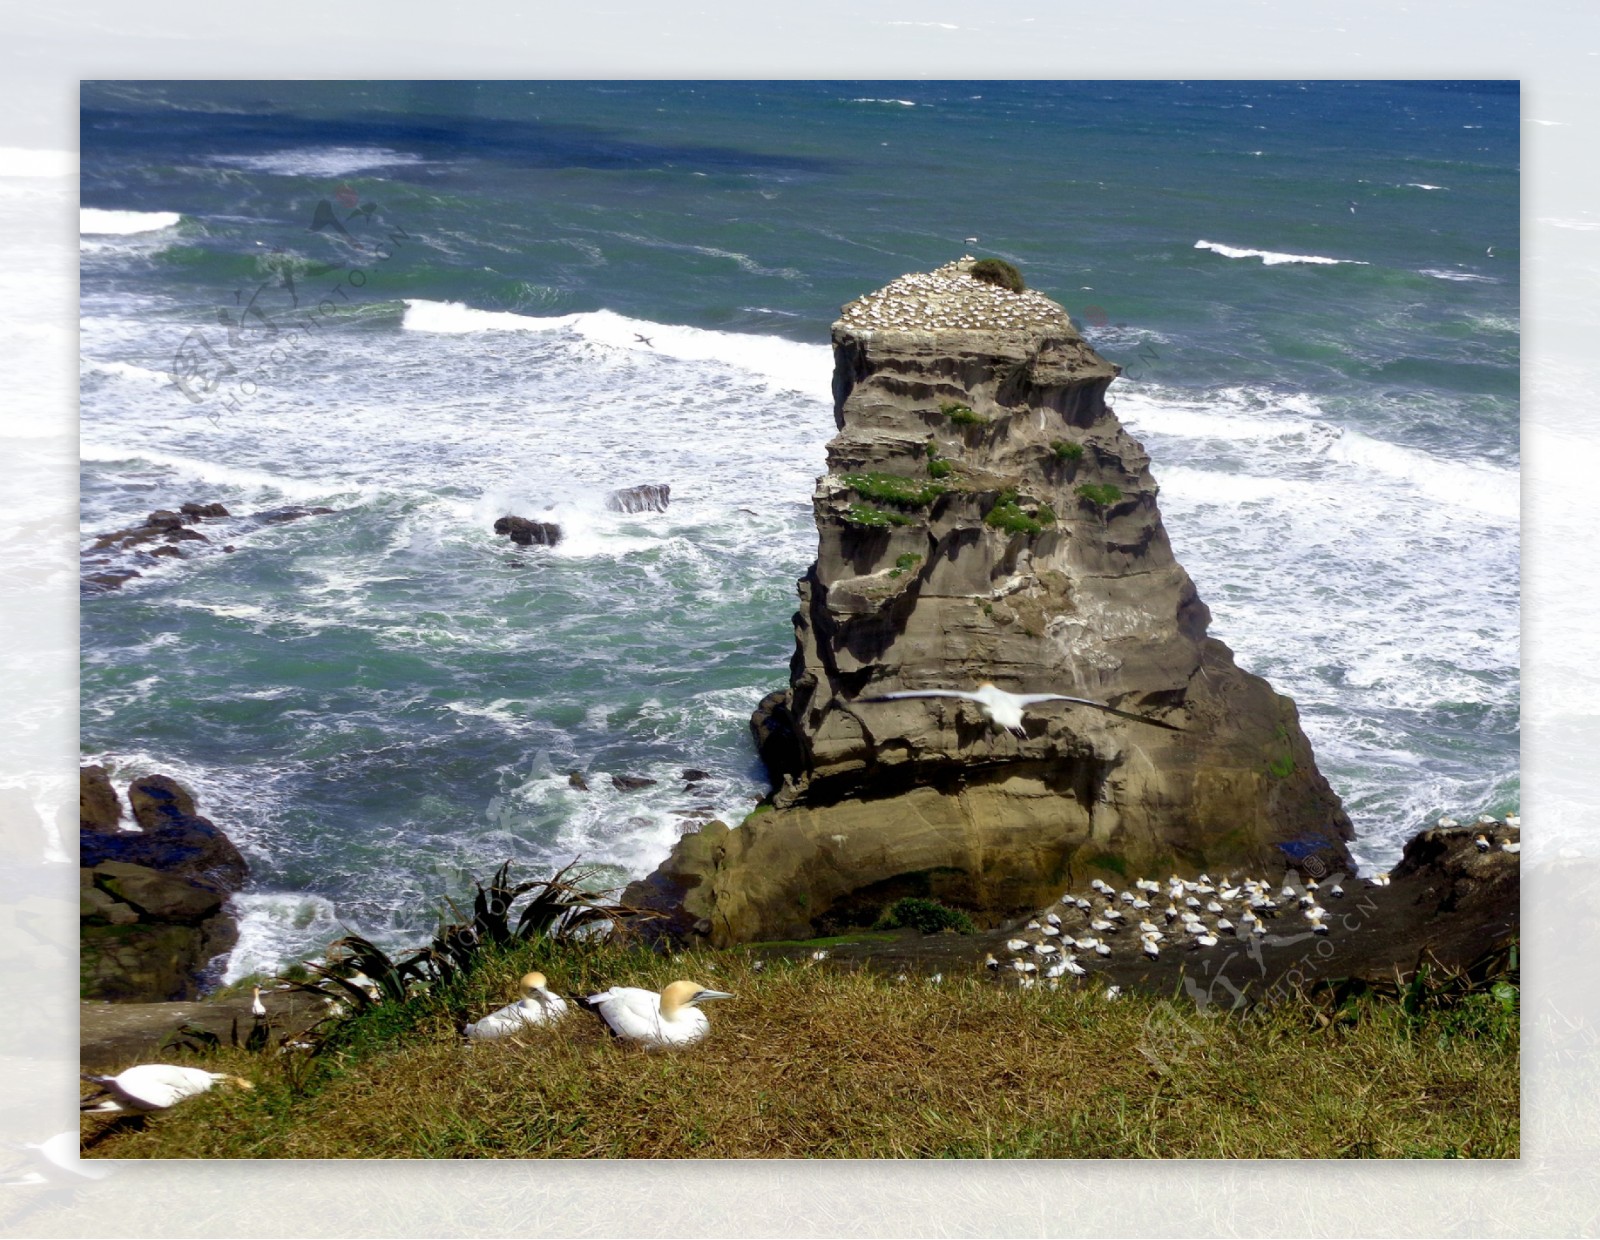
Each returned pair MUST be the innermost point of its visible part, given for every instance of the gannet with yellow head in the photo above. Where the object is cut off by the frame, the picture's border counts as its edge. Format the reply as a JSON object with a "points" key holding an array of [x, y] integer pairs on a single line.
{"points": [[670, 1018], [155, 1087], [538, 1006], [1005, 709]]}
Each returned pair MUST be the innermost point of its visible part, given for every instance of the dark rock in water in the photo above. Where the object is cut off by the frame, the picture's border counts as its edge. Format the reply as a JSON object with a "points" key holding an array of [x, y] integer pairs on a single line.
{"points": [[651, 497], [166, 519], [174, 839], [291, 512], [230, 548], [693, 774], [98, 583], [576, 780], [152, 912], [99, 807], [169, 551], [630, 783], [528, 533], [193, 509], [183, 535]]}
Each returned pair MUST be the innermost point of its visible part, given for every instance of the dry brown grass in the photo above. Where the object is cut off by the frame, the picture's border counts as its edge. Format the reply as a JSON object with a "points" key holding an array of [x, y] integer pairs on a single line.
{"points": [[810, 1062]]}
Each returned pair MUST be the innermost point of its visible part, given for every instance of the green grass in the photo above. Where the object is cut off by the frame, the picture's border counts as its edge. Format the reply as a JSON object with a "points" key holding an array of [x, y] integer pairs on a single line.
{"points": [[1063, 450], [1007, 515], [894, 489], [905, 563], [962, 415], [868, 517], [998, 272], [813, 1061], [1114, 862], [1101, 495]]}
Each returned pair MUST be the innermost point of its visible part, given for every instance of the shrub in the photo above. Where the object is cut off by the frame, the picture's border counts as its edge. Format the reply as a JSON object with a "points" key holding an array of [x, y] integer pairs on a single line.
{"points": [[928, 916], [1064, 451], [1101, 496], [939, 469], [998, 272], [894, 489], [962, 415], [904, 564], [1007, 515], [868, 517]]}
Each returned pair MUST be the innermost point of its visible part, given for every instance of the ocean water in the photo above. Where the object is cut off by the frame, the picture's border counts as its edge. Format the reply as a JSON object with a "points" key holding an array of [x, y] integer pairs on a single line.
{"points": [[421, 305]]}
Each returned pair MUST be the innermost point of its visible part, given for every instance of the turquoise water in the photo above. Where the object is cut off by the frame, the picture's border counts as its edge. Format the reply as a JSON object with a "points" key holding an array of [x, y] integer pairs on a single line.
{"points": [[378, 702]]}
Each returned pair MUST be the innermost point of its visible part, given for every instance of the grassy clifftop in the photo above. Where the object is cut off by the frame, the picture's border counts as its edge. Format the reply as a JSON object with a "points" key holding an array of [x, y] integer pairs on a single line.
{"points": [[812, 1061]]}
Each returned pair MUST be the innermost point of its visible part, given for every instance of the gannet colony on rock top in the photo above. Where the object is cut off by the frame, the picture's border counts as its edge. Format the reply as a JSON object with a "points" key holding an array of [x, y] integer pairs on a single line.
{"points": [[986, 519]]}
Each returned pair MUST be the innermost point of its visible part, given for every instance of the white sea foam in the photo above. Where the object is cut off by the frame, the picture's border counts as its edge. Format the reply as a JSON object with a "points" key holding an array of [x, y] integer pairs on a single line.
{"points": [[1272, 258], [1474, 487], [1460, 277], [1421, 185], [320, 161], [783, 363], [904, 103], [260, 483], [125, 370], [276, 928], [96, 222]]}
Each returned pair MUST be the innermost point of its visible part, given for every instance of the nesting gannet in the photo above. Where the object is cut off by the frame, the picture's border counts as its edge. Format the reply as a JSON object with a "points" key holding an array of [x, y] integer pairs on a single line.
{"points": [[1074, 968], [1146, 927], [257, 1008], [1016, 945], [1150, 948], [538, 1006], [1100, 885], [1482, 841], [1045, 949], [1171, 914], [1336, 891], [1102, 948], [1192, 901], [1447, 822], [1052, 919], [1259, 929], [650, 1019], [1005, 709], [1100, 925], [820, 954], [1514, 821], [1226, 926], [1051, 932], [990, 963], [155, 1087], [1203, 940], [1508, 846], [1024, 966], [1114, 914], [1379, 880], [1113, 992], [1213, 907]]}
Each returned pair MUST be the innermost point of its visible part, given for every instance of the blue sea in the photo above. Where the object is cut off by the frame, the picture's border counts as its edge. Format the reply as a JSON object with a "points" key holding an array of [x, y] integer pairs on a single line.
{"points": [[421, 305]]}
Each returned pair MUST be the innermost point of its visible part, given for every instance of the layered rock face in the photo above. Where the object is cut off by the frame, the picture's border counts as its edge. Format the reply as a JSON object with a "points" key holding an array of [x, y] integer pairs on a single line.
{"points": [[986, 518], [152, 902]]}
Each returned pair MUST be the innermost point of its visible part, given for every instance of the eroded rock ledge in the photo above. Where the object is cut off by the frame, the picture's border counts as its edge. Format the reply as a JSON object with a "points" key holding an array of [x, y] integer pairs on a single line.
{"points": [[986, 517]]}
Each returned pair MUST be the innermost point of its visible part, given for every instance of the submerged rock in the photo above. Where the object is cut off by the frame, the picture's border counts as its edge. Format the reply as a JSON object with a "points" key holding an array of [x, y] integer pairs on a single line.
{"points": [[651, 497], [986, 517], [526, 533], [291, 512], [631, 783]]}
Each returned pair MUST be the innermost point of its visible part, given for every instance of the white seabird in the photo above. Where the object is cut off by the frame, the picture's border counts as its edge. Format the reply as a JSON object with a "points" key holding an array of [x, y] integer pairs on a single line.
{"points": [[257, 1008], [1482, 841], [1016, 945], [650, 1019], [538, 1006], [1113, 992], [1150, 948], [1509, 847], [155, 1087], [1005, 709]]}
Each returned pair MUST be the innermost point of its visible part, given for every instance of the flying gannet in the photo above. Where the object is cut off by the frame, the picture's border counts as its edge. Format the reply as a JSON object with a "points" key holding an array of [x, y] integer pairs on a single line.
{"points": [[1005, 709], [155, 1087], [650, 1019], [538, 1006]]}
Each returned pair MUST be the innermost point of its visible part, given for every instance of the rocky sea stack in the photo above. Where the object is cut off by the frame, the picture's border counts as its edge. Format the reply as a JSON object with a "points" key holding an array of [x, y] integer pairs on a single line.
{"points": [[986, 518]]}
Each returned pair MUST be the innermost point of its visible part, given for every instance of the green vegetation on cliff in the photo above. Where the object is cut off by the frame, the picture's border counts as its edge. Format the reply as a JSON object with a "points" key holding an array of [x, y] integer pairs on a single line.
{"points": [[868, 517], [998, 272], [894, 489]]}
